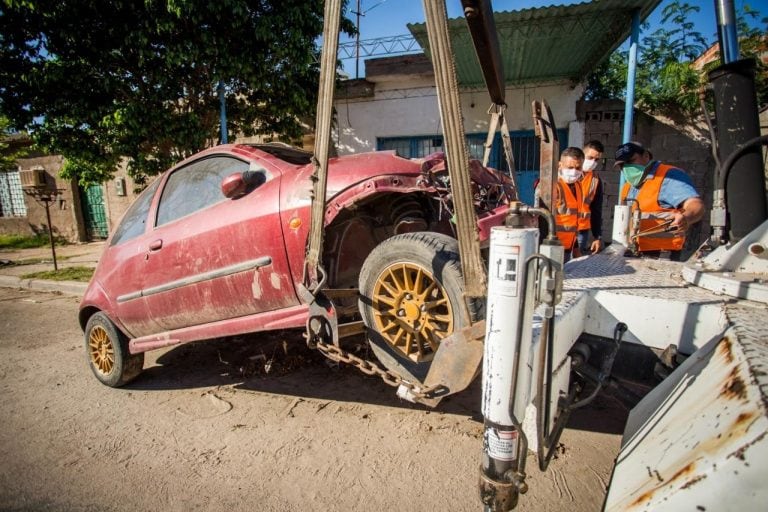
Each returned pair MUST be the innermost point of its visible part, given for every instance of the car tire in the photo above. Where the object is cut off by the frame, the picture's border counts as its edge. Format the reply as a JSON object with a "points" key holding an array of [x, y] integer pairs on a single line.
{"points": [[107, 352], [411, 297]]}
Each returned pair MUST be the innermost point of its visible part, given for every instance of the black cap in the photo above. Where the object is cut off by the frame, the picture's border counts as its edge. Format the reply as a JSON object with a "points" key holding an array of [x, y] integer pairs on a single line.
{"points": [[626, 151]]}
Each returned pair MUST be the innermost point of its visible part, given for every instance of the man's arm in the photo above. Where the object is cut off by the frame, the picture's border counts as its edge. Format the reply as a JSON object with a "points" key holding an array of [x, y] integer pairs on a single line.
{"points": [[691, 212], [677, 191], [596, 219]]}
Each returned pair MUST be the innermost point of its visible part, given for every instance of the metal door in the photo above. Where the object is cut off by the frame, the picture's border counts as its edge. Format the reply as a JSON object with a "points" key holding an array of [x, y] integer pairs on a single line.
{"points": [[94, 215]]}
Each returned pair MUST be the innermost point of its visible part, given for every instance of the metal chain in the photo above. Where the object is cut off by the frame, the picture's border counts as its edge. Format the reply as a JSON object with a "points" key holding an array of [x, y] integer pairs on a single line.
{"points": [[340, 355]]}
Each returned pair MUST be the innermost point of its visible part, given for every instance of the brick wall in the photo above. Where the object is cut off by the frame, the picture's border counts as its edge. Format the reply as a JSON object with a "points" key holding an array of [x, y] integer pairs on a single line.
{"points": [[66, 218]]}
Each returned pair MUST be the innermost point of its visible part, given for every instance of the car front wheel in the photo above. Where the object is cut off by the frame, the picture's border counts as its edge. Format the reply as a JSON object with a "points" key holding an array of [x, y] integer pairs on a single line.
{"points": [[411, 297], [108, 356]]}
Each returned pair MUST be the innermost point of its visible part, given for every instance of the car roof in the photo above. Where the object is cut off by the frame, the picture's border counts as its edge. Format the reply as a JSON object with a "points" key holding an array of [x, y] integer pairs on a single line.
{"points": [[285, 152]]}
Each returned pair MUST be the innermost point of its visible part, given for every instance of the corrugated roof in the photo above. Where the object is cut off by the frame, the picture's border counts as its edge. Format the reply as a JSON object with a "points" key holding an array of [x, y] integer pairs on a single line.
{"points": [[546, 44]]}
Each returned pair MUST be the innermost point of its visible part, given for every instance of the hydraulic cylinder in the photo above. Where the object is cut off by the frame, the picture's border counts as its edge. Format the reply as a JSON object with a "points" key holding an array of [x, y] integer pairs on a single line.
{"points": [[506, 373]]}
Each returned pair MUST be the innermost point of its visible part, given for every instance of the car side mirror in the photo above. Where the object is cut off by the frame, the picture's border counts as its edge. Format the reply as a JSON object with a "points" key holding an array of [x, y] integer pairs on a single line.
{"points": [[240, 183]]}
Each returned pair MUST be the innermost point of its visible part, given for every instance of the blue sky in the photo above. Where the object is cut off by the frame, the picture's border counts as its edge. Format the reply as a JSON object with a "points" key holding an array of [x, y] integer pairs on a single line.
{"points": [[389, 17]]}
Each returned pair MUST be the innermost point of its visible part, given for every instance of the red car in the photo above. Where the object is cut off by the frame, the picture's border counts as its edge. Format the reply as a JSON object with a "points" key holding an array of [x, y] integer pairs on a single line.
{"points": [[216, 245]]}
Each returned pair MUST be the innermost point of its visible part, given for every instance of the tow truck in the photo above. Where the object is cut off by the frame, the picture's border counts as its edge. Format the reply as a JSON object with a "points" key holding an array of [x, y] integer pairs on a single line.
{"points": [[553, 333]]}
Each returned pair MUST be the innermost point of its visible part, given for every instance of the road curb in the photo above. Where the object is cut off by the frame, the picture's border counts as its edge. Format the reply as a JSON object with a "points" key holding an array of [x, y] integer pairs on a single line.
{"points": [[68, 287]]}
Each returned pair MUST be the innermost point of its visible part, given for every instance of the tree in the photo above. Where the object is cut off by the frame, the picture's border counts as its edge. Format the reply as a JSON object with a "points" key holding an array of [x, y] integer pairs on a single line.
{"points": [[101, 81], [8, 152], [666, 79]]}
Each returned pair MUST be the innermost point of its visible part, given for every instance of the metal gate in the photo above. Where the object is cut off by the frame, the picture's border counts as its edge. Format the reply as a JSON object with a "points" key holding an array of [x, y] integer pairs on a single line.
{"points": [[94, 216], [525, 147]]}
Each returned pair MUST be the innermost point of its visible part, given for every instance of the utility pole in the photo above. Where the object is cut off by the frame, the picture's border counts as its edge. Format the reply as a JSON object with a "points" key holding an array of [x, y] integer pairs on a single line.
{"points": [[358, 12]]}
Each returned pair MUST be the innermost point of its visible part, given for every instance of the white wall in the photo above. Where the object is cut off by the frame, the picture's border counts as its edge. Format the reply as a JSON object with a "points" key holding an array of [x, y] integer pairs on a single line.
{"points": [[410, 108]]}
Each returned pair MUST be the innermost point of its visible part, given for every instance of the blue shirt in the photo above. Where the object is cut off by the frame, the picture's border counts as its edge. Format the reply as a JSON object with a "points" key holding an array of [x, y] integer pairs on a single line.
{"points": [[676, 188]]}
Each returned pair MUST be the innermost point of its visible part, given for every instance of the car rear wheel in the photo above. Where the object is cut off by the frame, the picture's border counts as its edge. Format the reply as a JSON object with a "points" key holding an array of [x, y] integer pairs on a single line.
{"points": [[411, 297], [107, 350]]}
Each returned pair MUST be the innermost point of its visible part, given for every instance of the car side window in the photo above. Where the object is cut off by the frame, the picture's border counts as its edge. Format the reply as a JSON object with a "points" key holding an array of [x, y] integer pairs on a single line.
{"points": [[135, 219], [195, 186]]}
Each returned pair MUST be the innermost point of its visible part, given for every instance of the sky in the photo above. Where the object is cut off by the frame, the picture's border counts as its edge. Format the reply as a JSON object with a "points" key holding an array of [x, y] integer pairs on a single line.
{"points": [[389, 17]]}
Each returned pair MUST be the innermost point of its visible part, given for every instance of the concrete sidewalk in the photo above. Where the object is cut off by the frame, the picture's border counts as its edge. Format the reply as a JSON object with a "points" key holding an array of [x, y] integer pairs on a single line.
{"points": [[16, 263]]}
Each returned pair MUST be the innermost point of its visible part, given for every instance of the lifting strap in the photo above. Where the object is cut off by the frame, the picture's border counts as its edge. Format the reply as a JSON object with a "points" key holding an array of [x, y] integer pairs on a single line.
{"points": [[544, 125], [332, 22], [456, 151], [497, 117]]}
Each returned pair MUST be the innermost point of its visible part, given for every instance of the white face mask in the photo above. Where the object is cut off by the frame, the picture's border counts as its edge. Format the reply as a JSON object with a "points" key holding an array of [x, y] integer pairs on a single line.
{"points": [[589, 164], [570, 175]]}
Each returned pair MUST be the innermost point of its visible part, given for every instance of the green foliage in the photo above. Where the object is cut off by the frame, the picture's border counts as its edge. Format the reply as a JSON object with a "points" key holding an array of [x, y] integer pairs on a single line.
{"points": [[99, 81], [753, 44], [666, 80], [609, 79], [8, 153], [13, 242], [81, 274]]}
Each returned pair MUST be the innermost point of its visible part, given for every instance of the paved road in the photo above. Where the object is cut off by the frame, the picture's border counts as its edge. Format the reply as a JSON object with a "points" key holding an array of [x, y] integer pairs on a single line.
{"points": [[206, 428]]}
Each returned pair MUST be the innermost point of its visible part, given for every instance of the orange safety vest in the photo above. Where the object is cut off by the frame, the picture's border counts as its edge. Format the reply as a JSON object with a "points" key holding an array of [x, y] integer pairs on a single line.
{"points": [[567, 213], [588, 184], [652, 214]]}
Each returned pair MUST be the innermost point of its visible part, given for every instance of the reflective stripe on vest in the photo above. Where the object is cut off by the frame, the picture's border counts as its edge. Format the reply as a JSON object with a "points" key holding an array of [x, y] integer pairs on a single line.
{"points": [[588, 185], [566, 216], [652, 214]]}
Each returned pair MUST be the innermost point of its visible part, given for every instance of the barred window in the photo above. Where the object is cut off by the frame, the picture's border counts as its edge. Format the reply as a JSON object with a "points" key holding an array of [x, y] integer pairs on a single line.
{"points": [[11, 195]]}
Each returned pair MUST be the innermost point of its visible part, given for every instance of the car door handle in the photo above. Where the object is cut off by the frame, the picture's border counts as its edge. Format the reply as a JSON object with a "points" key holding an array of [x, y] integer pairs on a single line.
{"points": [[156, 245]]}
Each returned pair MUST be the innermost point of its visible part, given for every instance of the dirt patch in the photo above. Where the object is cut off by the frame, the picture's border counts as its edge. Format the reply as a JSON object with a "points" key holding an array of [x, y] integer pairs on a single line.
{"points": [[249, 423]]}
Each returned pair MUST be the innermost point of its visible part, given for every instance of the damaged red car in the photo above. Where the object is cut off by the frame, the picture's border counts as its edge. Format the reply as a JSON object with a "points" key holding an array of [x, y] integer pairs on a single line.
{"points": [[216, 245]]}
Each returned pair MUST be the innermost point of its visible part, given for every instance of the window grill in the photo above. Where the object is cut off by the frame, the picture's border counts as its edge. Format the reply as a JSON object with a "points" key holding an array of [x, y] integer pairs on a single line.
{"points": [[12, 202]]}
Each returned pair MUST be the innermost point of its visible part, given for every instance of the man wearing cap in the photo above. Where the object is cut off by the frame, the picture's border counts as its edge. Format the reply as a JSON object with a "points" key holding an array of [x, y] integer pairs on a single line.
{"points": [[665, 196]]}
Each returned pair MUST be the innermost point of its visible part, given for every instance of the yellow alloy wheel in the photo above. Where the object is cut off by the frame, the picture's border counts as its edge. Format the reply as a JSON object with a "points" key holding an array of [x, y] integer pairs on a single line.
{"points": [[101, 350], [411, 311]]}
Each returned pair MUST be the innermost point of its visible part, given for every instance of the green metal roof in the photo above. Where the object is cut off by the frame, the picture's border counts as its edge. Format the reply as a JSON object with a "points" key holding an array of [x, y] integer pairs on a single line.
{"points": [[545, 44]]}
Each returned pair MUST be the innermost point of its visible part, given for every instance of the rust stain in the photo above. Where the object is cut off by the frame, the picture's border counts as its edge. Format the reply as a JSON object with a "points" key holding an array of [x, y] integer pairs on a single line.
{"points": [[739, 454], [743, 418], [643, 498], [688, 468], [648, 495], [726, 347], [693, 481], [734, 387]]}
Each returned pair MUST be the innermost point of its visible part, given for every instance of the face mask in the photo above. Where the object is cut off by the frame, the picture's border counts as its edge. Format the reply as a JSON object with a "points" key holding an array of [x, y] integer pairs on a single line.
{"points": [[633, 173], [589, 164], [570, 175]]}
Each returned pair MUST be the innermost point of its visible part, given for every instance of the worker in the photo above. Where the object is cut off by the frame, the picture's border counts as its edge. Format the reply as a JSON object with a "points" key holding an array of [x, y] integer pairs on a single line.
{"points": [[568, 199], [666, 198], [591, 207]]}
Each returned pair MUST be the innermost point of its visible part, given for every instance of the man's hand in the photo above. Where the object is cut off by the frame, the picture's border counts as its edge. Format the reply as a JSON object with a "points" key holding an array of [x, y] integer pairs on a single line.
{"points": [[679, 223], [690, 212], [596, 246]]}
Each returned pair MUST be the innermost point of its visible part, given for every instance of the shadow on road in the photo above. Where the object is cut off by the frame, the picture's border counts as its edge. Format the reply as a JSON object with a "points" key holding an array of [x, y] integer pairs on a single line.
{"points": [[280, 363]]}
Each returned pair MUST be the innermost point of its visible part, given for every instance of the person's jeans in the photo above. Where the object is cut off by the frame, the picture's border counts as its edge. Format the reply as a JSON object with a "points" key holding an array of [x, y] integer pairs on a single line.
{"points": [[582, 241]]}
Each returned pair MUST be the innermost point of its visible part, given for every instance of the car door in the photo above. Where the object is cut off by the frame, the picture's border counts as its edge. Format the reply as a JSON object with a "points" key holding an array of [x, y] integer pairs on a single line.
{"points": [[123, 265], [211, 258]]}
